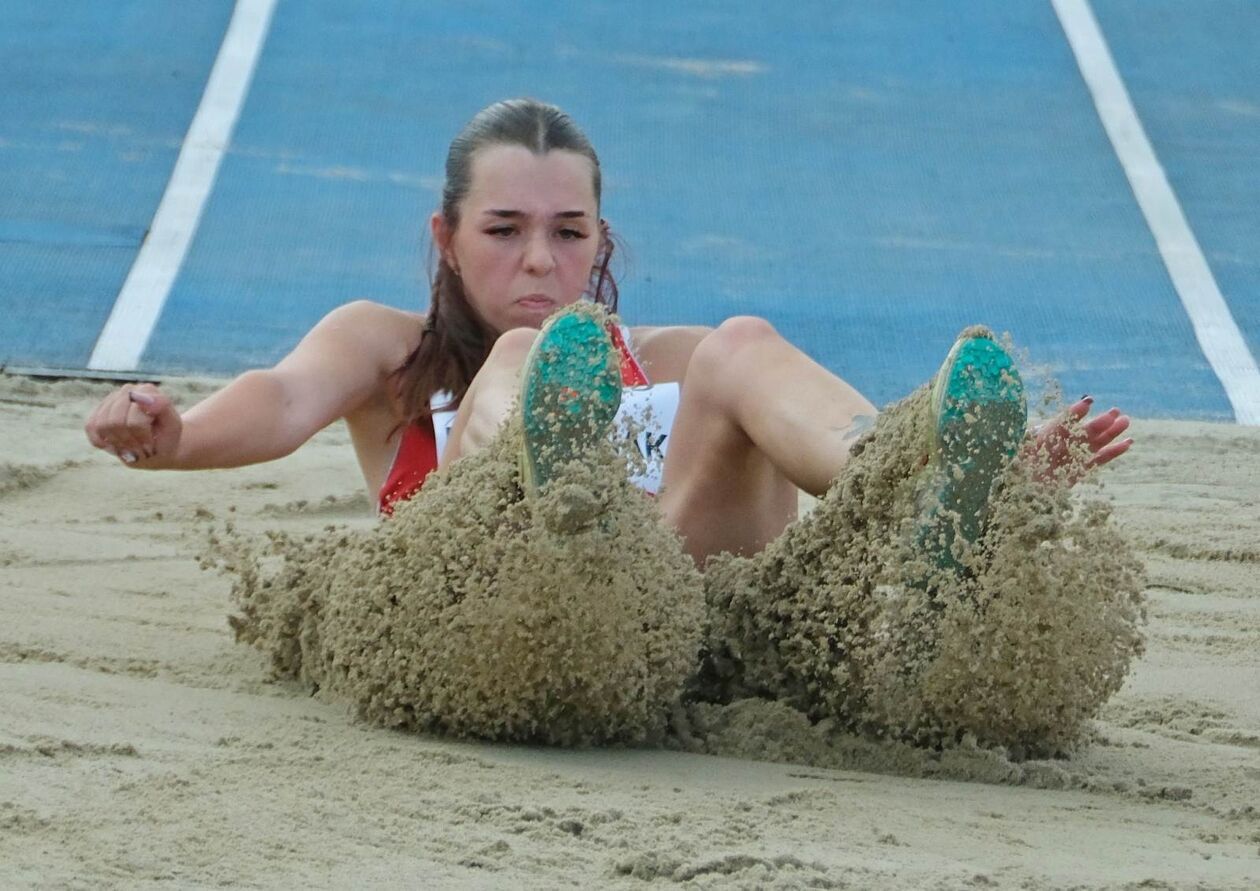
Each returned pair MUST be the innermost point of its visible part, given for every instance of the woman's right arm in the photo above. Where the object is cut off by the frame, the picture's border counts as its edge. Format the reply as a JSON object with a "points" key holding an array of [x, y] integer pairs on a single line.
{"points": [[342, 363]]}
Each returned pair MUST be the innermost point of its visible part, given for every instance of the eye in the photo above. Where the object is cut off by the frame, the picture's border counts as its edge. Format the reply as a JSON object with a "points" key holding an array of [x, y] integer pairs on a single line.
{"points": [[501, 231], [571, 234]]}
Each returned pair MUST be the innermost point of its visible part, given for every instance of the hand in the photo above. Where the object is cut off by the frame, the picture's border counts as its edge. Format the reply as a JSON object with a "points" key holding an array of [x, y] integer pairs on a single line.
{"points": [[1069, 445], [136, 424]]}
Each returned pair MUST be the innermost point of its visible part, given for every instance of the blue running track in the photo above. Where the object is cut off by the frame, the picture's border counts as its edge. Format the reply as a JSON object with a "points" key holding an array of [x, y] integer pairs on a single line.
{"points": [[871, 177]]}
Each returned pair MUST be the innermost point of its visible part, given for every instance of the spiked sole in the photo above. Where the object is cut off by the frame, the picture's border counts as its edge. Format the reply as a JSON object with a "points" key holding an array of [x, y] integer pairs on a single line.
{"points": [[981, 413], [570, 393]]}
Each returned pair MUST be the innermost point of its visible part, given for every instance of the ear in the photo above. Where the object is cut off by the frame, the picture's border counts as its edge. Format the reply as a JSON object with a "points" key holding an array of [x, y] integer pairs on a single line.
{"points": [[606, 245], [442, 235]]}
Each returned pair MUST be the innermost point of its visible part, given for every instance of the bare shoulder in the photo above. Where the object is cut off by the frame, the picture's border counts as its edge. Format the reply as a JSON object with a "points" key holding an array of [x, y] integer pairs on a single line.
{"points": [[367, 318], [347, 358], [385, 333], [665, 350]]}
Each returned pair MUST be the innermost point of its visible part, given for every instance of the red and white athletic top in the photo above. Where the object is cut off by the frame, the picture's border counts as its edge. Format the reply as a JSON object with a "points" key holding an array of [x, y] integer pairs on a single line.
{"points": [[422, 444]]}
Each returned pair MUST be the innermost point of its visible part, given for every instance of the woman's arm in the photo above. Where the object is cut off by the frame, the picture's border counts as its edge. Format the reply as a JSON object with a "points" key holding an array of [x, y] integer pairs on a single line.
{"points": [[262, 415]]}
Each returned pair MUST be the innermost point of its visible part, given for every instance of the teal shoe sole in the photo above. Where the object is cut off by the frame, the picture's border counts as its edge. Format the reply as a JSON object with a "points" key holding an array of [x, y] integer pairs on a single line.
{"points": [[981, 413], [570, 393]]}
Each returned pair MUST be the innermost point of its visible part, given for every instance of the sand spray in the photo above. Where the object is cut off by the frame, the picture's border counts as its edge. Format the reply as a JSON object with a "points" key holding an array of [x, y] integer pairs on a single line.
{"points": [[576, 618]]}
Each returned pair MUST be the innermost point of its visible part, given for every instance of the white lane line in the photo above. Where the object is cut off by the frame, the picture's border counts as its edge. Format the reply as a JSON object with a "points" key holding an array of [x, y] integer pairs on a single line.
{"points": [[139, 303], [1214, 326]]}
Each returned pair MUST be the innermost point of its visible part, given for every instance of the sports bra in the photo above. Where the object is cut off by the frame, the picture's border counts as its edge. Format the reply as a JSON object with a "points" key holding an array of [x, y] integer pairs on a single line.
{"points": [[422, 444]]}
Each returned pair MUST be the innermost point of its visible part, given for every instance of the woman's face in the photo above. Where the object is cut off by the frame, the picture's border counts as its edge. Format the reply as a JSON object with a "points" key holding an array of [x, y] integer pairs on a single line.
{"points": [[527, 236]]}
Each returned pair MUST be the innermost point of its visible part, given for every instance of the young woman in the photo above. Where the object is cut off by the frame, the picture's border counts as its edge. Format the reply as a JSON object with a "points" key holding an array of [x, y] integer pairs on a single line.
{"points": [[519, 236]]}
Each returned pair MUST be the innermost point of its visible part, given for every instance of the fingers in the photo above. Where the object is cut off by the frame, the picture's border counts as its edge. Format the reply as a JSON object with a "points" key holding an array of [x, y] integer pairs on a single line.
{"points": [[127, 427], [1060, 426], [1056, 439], [1110, 453], [1080, 408], [94, 437], [150, 400], [1097, 431], [121, 426], [1097, 425], [1101, 434], [99, 427], [1118, 425], [1103, 430], [140, 421]]}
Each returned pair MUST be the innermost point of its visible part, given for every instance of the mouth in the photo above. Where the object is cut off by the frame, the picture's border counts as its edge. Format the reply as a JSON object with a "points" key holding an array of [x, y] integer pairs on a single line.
{"points": [[535, 301]]}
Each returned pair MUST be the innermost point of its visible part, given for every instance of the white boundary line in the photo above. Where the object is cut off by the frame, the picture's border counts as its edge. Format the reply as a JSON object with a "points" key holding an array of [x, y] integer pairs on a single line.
{"points": [[139, 304], [1214, 326]]}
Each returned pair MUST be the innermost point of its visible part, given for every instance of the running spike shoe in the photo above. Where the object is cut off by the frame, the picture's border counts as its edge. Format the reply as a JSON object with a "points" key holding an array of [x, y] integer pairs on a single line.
{"points": [[570, 393], [980, 414]]}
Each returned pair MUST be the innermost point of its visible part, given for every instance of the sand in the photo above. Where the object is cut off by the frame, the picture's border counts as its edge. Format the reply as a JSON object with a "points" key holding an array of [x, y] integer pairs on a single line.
{"points": [[573, 618], [142, 745]]}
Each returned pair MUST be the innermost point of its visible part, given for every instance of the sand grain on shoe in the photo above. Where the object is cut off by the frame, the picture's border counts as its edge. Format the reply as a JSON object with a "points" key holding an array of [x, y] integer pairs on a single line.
{"points": [[979, 415], [570, 392]]}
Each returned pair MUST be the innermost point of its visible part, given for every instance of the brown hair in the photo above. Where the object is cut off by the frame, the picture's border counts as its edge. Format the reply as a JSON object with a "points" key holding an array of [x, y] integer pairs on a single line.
{"points": [[455, 342]]}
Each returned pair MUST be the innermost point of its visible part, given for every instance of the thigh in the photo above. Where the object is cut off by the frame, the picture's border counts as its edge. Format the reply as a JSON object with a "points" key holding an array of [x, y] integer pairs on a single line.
{"points": [[718, 490], [491, 395]]}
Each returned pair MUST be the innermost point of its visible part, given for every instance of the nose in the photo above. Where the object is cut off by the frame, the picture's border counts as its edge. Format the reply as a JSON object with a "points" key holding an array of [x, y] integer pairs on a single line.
{"points": [[538, 257]]}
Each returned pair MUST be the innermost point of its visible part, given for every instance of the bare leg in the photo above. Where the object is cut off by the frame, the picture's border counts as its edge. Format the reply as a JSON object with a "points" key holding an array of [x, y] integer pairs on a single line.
{"points": [[491, 394], [758, 419]]}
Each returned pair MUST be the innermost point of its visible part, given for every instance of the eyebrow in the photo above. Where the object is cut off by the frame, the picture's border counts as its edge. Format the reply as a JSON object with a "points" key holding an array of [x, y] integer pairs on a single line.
{"points": [[515, 214]]}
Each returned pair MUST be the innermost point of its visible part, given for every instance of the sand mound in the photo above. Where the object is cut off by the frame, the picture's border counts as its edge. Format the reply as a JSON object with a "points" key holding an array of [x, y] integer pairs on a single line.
{"points": [[571, 619], [20, 477], [835, 617]]}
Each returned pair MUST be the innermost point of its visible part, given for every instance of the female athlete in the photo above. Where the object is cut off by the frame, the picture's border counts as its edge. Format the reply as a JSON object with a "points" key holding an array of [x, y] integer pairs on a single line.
{"points": [[745, 419]]}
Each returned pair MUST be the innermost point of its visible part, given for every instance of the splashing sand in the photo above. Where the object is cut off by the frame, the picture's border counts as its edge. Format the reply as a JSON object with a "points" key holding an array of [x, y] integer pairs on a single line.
{"points": [[1017, 651], [577, 618], [571, 619]]}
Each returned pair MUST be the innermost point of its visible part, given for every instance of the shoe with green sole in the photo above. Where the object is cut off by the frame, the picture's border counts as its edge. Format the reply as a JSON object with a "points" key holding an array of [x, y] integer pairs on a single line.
{"points": [[980, 414], [570, 393]]}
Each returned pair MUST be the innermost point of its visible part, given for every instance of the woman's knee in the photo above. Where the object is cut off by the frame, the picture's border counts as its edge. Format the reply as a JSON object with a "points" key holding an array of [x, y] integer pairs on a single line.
{"points": [[490, 394], [507, 355], [511, 347], [720, 358], [741, 331]]}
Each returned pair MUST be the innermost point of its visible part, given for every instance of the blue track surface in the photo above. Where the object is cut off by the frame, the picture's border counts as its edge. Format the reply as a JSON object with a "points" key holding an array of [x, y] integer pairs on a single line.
{"points": [[1194, 74], [870, 177], [97, 98]]}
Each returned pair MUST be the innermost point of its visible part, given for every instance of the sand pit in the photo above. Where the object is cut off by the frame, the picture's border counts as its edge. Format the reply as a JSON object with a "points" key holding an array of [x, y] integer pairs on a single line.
{"points": [[142, 745]]}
